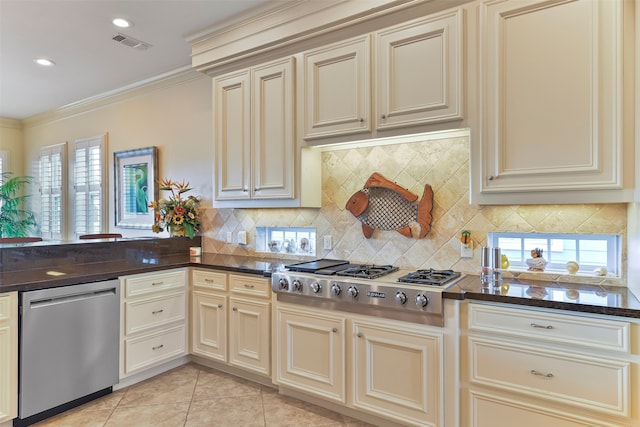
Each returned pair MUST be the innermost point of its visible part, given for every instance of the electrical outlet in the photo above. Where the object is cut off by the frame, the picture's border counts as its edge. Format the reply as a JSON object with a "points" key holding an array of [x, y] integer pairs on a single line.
{"points": [[327, 243], [229, 237], [242, 237], [466, 251]]}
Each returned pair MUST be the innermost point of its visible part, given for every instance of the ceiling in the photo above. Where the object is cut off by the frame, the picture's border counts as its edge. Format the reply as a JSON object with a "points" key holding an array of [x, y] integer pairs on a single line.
{"points": [[77, 36]]}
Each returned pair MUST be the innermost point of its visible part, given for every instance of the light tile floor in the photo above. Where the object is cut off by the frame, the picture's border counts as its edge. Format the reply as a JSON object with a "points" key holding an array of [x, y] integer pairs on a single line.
{"points": [[194, 395]]}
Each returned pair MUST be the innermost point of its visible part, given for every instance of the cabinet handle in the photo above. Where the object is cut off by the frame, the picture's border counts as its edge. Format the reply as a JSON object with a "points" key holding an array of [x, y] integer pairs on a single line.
{"points": [[157, 347], [209, 280], [334, 330], [361, 120], [359, 335], [540, 374], [219, 305], [157, 311], [535, 325], [245, 190], [156, 283], [235, 309], [249, 286]]}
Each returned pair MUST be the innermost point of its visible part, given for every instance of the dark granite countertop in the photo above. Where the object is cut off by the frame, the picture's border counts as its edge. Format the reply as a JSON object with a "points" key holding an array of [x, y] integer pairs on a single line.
{"points": [[597, 299], [608, 300]]}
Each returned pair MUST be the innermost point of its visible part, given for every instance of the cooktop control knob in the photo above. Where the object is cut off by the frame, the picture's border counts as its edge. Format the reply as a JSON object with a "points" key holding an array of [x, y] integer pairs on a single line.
{"points": [[297, 286], [336, 289], [422, 300], [315, 287], [284, 284], [353, 291], [401, 297]]}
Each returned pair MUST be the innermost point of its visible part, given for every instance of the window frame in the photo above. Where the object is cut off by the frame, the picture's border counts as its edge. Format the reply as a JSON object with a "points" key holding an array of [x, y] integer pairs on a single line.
{"points": [[99, 141], [4, 163], [613, 254], [60, 189]]}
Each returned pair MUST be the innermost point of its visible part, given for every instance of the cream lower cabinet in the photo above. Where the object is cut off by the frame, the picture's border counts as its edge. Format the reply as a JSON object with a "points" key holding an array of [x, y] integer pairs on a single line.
{"points": [[8, 356], [545, 368], [231, 319], [389, 369], [153, 320]]}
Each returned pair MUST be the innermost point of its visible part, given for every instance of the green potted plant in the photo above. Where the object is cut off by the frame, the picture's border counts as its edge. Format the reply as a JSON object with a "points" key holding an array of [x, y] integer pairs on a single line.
{"points": [[15, 221]]}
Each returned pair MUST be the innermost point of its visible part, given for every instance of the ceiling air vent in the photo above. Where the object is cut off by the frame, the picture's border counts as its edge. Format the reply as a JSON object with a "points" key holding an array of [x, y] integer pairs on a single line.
{"points": [[130, 41]]}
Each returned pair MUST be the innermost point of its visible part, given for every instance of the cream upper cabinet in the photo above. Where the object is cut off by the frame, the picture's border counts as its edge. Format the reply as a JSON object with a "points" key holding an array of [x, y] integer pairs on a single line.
{"points": [[419, 71], [337, 89], [551, 105], [417, 78], [8, 356], [254, 133]]}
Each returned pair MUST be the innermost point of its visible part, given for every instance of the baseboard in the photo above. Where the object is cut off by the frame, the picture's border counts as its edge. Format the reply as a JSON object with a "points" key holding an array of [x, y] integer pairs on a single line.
{"points": [[151, 372]]}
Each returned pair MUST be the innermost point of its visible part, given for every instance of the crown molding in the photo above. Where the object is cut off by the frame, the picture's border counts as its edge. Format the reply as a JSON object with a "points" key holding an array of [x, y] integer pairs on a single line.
{"points": [[145, 87], [10, 123]]}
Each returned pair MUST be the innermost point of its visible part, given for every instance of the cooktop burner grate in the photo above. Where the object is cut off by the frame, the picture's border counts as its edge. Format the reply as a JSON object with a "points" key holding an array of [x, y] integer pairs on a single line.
{"points": [[430, 277], [364, 271]]}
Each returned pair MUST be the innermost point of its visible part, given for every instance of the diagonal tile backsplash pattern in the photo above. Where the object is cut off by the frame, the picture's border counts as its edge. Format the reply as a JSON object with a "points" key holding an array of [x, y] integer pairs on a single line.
{"points": [[443, 163]]}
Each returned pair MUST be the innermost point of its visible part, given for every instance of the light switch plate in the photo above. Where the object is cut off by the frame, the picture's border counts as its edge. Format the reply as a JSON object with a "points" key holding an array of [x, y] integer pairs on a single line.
{"points": [[327, 243], [242, 237], [229, 237]]}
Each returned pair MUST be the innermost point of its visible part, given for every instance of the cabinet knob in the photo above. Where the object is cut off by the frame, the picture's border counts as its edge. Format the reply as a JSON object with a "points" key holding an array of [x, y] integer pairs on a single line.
{"points": [[361, 120], [219, 305], [359, 335], [235, 309], [491, 178], [245, 190], [334, 330], [256, 189], [384, 116]]}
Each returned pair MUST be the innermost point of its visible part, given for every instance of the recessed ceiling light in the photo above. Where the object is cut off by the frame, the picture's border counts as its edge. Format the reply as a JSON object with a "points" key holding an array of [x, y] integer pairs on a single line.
{"points": [[122, 23], [44, 62]]}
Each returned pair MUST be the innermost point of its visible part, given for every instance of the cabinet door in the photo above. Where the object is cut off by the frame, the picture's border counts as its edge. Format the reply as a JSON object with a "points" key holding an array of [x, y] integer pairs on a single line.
{"points": [[337, 89], [232, 118], [419, 72], [311, 352], [273, 131], [551, 95], [396, 373], [209, 325], [249, 335], [8, 356]]}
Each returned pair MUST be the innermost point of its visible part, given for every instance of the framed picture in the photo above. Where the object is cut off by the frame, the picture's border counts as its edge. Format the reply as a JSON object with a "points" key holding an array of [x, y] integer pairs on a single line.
{"points": [[136, 177]]}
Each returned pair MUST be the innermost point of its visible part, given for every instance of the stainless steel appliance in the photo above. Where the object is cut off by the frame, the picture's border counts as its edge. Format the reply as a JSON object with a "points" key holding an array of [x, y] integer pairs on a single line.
{"points": [[68, 347], [377, 290]]}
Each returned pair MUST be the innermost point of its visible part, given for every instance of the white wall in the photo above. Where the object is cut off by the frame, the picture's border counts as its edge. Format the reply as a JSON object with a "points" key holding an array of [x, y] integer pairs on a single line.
{"points": [[11, 139], [174, 116]]}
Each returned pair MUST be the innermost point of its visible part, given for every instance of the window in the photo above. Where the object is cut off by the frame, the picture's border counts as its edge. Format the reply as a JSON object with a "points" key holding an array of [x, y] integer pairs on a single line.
{"points": [[590, 251], [290, 240], [89, 179], [51, 173], [4, 163]]}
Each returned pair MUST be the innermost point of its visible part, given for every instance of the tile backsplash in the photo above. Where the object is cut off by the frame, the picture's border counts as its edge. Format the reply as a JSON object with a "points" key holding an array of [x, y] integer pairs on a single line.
{"points": [[443, 163]]}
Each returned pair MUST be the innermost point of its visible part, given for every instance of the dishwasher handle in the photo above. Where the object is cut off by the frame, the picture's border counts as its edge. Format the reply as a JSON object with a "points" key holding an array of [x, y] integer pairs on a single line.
{"points": [[63, 299]]}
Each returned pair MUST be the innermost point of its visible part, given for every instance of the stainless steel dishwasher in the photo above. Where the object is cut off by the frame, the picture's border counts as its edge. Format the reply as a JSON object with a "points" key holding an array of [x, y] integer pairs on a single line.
{"points": [[68, 347]]}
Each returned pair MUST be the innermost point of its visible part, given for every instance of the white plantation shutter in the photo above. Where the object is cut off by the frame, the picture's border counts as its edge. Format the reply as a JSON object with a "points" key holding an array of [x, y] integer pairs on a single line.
{"points": [[51, 173], [4, 167], [90, 185]]}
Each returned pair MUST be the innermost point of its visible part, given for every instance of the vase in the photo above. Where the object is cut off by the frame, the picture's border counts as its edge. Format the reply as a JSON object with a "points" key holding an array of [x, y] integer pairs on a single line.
{"points": [[177, 231]]}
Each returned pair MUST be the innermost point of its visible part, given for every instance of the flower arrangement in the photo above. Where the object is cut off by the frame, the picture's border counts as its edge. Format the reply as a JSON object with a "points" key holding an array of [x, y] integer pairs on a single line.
{"points": [[177, 214]]}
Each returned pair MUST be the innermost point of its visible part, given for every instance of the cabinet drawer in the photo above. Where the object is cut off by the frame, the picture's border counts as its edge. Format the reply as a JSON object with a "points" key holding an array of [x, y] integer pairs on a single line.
{"points": [[586, 382], [488, 411], [149, 283], [149, 313], [5, 307], [154, 348], [209, 279], [611, 335], [253, 286]]}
